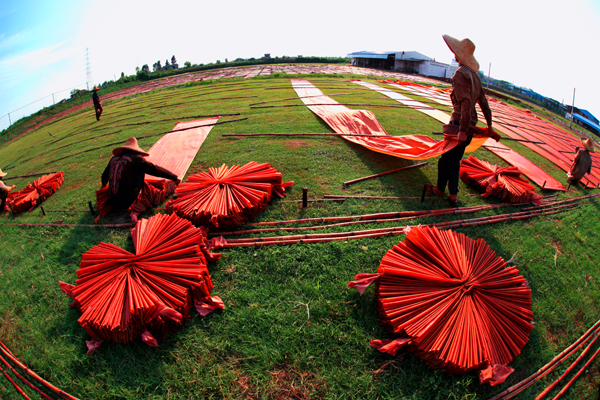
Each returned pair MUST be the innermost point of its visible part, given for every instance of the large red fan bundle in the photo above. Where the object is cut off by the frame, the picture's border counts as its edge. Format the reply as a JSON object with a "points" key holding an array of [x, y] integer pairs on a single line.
{"points": [[227, 197], [153, 193], [124, 296], [35, 193], [506, 183], [454, 303]]}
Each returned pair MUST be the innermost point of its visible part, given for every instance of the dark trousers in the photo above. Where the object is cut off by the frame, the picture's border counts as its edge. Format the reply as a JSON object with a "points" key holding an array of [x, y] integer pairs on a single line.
{"points": [[98, 108], [449, 167], [3, 196]]}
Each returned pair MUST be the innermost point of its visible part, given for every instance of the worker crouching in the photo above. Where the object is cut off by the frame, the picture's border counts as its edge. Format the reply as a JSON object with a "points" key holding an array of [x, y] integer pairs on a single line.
{"points": [[582, 163], [123, 184]]}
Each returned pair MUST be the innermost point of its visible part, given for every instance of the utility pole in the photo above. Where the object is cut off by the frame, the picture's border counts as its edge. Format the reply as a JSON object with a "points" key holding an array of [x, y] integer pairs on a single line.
{"points": [[489, 70], [88, 70], [572, 109], [53, 102]]}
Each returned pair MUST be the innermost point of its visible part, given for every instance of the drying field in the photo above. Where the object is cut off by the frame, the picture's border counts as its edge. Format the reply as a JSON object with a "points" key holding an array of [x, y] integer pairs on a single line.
{"points": [[291, 328]]}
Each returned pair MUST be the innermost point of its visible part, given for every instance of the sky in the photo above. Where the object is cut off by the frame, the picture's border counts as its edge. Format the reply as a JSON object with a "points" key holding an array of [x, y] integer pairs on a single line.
{"points": [[546, 45]]}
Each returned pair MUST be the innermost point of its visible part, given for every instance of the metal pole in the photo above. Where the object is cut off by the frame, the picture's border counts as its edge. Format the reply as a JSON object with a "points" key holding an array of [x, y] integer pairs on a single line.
{"points": [[572, 109], [304, 197], [9, 122], [489, 70], [53, 102]]}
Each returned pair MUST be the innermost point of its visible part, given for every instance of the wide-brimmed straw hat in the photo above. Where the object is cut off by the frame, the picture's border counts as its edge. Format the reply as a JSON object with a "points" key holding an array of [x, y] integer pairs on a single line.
{"points": [[2, 173], [95, 89], [588, 144], [463, 50], [130, 144]]}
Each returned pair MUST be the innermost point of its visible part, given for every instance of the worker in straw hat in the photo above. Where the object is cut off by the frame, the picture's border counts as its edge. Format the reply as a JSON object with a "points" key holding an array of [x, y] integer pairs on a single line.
{"points": [[466, 93], [4, 191], [125, 174], [97, 105], [582, 163]]}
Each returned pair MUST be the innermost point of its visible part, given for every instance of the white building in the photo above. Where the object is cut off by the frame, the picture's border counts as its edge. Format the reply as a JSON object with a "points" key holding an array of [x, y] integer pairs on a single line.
{"points": [[411, 62]]}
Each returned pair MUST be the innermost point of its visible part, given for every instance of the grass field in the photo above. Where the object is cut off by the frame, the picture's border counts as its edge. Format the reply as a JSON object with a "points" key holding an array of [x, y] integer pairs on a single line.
{"points": [[291, 328]]}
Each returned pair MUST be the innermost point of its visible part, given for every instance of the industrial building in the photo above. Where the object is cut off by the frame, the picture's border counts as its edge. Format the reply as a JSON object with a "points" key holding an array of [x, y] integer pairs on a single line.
{"points": [[411, 62]]}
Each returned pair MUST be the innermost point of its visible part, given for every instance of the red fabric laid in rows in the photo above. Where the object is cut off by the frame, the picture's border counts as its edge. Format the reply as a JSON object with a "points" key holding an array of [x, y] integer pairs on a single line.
{"points": [[34, 193], [520, 124], [454, 303], [528, 168], [225, 197], [506, 183], [344, 120], [124, 296]]}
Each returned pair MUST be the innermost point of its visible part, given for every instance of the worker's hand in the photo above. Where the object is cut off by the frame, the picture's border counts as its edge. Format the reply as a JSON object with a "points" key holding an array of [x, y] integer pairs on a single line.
{"points": [[13, 186], [462, 137], [492, 133]]}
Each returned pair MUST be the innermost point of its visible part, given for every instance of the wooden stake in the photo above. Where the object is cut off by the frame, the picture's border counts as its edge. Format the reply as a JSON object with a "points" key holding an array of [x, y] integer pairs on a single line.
{"points": [[384, 173], [91, 208], [304, 197]]}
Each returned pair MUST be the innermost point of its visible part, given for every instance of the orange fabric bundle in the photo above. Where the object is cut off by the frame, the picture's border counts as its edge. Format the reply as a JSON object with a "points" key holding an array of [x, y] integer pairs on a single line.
{"points": [[226, 198], [35, 193], [124, 296], [506, 183], [454, 303], [154, 192]]}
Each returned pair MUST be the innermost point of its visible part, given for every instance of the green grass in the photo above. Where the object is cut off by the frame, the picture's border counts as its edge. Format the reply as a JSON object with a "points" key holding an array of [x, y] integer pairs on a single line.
{"points": [[261, 345]]}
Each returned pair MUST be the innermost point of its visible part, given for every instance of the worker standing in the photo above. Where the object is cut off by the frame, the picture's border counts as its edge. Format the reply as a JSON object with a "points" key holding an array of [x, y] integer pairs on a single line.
{"points": [[97, 105], [466, 93], [4, 190], [582, 163]]}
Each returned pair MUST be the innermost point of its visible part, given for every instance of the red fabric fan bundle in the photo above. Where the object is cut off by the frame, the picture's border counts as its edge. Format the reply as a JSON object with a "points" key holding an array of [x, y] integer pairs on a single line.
{"points": [[225, 197], [454, 303], [506, 183], [35, 193], [154, 192], [125, 296]]}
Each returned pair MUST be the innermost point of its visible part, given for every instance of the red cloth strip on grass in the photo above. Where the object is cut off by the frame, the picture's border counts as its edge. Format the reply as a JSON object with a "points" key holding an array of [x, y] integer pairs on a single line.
{"points": [[122, 295], [176, 150], [459, 304], [34, 193], [225, 197], [506, 125], [528, 168], [344, 120], [506, 183]]}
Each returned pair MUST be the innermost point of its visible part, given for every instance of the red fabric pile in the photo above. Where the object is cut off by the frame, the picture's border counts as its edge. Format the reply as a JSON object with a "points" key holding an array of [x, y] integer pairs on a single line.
{"points": [[506, 183], [34, 193], [226, 198], [154, 192], [125, 296], [454, 303]]}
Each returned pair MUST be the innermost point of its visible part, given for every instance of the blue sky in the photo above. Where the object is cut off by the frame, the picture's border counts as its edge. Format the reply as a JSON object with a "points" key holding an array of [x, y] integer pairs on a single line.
{"points": [[549, 46]]}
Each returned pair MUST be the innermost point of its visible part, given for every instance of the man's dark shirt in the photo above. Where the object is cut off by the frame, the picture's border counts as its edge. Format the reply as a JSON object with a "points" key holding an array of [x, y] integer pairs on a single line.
{"points": [[96, 98], [125, 177]]}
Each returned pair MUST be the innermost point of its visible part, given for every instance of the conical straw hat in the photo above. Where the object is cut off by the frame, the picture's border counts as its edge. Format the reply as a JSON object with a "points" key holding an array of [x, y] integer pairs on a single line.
{"points": [[130, 144], [463, 50], [588, 145]]}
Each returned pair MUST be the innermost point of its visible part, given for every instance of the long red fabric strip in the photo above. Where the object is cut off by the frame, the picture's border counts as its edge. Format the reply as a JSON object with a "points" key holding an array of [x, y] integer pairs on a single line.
{"points": [[529, 169], [344, 120], [176, 151], [519, 124]]}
